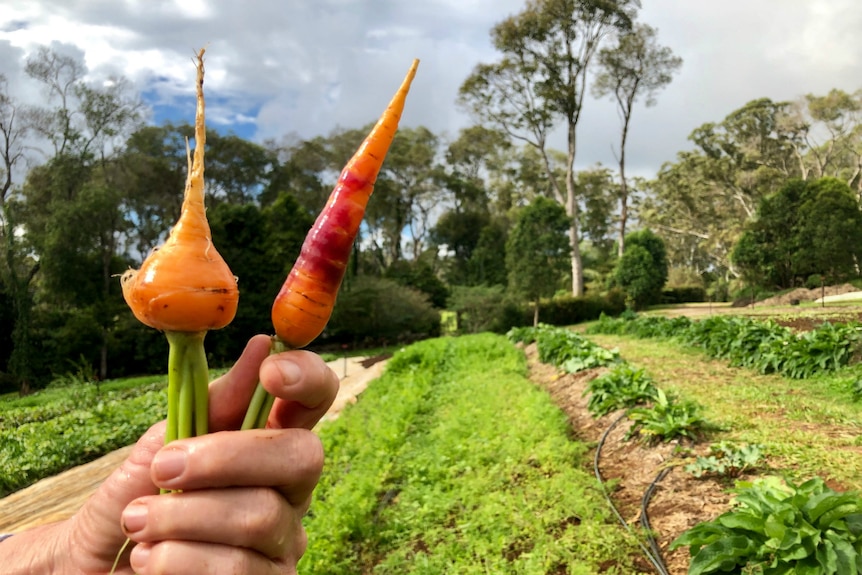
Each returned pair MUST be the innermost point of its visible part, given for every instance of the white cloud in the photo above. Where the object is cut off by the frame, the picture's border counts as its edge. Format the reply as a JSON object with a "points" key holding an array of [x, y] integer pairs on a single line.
{"points": [[305, 67]]}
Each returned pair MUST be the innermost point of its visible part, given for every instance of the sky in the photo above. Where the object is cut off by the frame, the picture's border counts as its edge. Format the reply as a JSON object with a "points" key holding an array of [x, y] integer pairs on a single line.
{"points": [[301, 68]]}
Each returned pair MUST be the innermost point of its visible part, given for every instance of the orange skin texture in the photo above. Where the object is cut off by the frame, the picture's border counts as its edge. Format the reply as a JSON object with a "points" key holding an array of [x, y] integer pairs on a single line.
{"points": [[304, 304], [185, 285]]}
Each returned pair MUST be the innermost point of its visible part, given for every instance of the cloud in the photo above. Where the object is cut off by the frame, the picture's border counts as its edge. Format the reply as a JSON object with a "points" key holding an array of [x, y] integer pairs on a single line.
{"points": [[277, 67]]}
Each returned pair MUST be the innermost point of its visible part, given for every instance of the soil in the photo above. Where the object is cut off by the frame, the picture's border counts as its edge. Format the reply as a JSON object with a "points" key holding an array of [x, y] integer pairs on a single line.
{"points": [[679, 501]]}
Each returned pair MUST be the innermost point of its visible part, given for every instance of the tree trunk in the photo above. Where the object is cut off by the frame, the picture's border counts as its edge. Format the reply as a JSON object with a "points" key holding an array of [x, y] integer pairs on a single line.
{"points": [[572, 212], [536, 313], [624, 188]]}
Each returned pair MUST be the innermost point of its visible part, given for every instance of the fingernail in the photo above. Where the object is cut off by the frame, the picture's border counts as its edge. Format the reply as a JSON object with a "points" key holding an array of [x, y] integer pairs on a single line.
{"points": [[139, 558], [289, 371], [169, 464], [134, 518]]}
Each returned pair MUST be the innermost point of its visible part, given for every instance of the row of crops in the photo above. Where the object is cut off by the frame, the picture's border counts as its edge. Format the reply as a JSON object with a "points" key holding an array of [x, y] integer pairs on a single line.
{"points": [[50, 432], [762, 345], [776, 526]]}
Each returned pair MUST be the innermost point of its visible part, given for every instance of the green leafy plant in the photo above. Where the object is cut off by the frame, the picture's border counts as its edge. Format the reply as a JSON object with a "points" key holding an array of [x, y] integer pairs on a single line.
{"points": [[780, 529], [666, 419], [727, 460], [564, 348], [764, 346], [623, 386]]}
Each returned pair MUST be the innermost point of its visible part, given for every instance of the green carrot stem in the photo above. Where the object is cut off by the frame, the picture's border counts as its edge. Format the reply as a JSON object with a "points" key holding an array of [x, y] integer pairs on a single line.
{"points": [[188, 382], [185, 417], [254, 408], [261, 402], [176, 358], [263, 416], [200, 377]]}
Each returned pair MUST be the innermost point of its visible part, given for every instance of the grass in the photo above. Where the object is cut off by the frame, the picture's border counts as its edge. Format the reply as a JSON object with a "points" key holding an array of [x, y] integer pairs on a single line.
{"points": [[453, 462], [810, 427]]}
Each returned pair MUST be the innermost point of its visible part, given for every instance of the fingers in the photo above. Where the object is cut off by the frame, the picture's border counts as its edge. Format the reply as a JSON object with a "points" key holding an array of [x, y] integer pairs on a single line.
{"points": [[182, 557], [304, 385], [230, 394], [290, 460], [254, 518], [94, 532]]}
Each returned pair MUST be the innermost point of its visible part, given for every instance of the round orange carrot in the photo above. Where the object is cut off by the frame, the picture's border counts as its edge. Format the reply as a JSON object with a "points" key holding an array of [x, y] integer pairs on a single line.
{"points": [[185, 285], [304, 304]]}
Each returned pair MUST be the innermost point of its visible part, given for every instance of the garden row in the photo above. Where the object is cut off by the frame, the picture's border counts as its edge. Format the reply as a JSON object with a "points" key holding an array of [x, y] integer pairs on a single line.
{"points": [[762, 345], [54, 430], [453, 462], [775, 527]]}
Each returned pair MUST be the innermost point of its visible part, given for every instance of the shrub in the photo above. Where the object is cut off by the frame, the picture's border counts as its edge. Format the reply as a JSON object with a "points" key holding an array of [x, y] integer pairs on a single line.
{"points": [[570, 310], [375, 309], [482, 308], [684, 294], [642, 270]]}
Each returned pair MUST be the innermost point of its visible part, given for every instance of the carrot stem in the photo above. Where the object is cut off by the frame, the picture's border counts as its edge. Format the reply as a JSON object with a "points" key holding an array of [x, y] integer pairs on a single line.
{"points": [[252, 414], [187, 398], [263, 416], [200, 377], [188, 382]]}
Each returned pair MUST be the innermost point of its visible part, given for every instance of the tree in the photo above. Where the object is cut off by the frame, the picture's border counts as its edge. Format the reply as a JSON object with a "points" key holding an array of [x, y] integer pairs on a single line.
{"points": [[806, 228], [547, 50], [74, 216], [642, 270], [636, 66], [260, 245], [700, 203], [597, 192], [17, 267], [537, 251]]}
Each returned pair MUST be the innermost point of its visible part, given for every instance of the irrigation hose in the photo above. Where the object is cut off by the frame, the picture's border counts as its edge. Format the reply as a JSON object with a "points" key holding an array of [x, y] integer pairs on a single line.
{"points": [[655, 559], [645, 517]]}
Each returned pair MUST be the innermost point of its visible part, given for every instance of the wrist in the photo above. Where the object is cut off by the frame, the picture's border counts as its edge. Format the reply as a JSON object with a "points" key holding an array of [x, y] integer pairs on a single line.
{"points": [[33, 552]]}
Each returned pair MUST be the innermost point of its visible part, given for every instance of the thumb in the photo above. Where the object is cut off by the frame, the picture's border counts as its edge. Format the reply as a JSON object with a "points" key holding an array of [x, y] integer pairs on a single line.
{"points": [[95, 534]]}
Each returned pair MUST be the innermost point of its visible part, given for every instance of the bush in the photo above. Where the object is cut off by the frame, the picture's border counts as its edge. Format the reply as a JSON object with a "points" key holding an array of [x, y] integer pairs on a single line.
{"points": [[684, 294], [570, 310], [637, 274], [376, 310], [482, 308], [642, 271]]}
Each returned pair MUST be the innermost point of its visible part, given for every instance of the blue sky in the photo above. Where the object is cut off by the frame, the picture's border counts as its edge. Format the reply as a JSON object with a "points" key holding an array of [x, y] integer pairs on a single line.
{"points": [[278, 68]]}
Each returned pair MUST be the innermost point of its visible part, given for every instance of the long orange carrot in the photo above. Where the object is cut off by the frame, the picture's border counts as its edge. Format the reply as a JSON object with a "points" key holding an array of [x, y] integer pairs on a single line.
{"points": [[304, 304]]}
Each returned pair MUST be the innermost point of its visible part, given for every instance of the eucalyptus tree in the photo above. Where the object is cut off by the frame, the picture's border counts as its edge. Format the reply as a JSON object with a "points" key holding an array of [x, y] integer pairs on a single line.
{"points": [[73, 203], [541, 79], [634, 67], [17, 266]]}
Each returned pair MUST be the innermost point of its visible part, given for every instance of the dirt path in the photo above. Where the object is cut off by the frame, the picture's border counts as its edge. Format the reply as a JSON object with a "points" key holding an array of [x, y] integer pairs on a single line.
{"points": [[57, 498]]}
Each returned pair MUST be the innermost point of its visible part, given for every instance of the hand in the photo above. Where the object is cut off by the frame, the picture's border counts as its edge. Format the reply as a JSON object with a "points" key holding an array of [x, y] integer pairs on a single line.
{"points": [[243, 492]]}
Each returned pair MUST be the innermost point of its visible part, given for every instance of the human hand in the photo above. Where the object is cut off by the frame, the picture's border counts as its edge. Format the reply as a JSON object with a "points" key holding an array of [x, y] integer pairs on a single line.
{"points": [[243, 493]]}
